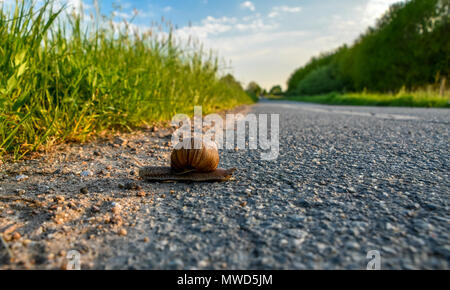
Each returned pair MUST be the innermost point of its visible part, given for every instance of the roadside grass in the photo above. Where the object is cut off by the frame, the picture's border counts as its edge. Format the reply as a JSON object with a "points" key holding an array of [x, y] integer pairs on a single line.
{"points": [[421, 98], [66, 79]]}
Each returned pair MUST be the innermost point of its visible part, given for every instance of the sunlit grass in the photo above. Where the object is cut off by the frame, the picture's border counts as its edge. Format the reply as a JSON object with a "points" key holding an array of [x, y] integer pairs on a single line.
{"points": [[420, 98], [65, 80]]}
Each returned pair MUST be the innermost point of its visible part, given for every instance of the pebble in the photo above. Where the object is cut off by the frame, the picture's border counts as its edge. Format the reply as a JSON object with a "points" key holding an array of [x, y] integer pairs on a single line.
{"points": [[84, 190], [20, 191], [16, 236], [352, 245], [131, 186], [86, 173], [123, 232], [59, 198], [21, 177]]}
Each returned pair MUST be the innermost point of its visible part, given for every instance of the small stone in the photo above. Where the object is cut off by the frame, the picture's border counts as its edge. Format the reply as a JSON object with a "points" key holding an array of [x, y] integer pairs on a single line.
{"points": [[146, 240], [203, 264], [120, 141], [141, 194], [243, 204], [431, 206], [390, 227], [297, 218], [86, 173], [116, 209], [123, 232], [59, 198], [389, 250], [43, 188], [131, 186], [26, 242], [352, 245], [117, 219], [296, 233], [16, 236], [21, 177], [20, 191], [84, 190], [303, 203], [322, 247]]}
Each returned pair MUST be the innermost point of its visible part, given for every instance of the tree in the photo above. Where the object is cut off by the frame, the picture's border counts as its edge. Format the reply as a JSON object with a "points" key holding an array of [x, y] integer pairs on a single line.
{"points": [[231, 81], [276, 90], [408, 47], [254, 89]]}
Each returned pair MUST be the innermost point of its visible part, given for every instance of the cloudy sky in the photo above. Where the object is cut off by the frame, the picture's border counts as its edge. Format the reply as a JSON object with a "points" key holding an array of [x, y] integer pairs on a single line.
{"points": [[264, 40]]}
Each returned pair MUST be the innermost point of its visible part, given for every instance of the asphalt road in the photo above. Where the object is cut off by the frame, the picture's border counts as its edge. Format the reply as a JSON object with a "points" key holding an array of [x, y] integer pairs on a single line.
{"points": [[348, 180]]}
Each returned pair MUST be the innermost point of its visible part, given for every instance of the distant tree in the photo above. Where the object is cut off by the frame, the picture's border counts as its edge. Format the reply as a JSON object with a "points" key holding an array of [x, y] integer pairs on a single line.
{"points": [[408, 47], [254, 89], [276, 90], [231, 81], [320, 81]]}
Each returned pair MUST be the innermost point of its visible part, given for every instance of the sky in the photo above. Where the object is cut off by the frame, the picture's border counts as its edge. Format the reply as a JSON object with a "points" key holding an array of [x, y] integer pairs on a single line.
{"points": [[260, 40]]}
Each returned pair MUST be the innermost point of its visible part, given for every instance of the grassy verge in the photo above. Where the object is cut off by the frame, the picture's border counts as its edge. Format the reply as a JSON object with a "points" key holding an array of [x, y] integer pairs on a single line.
{"points": [[402, 99], [62, 78]]}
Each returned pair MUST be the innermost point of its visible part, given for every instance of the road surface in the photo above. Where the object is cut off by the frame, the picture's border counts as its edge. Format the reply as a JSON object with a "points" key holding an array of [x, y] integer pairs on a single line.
{"points": [[348, 180]]}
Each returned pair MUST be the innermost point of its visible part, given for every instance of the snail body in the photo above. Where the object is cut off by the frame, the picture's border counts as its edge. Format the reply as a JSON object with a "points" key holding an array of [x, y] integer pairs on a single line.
{"points": [[166, 174]]}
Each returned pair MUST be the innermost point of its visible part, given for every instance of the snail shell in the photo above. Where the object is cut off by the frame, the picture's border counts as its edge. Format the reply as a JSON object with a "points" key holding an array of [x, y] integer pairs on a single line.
{"points": [[184, 158]]}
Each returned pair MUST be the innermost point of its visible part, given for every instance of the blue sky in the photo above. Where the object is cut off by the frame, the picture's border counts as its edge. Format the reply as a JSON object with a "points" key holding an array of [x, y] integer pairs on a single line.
{"points": [[261, 40]]}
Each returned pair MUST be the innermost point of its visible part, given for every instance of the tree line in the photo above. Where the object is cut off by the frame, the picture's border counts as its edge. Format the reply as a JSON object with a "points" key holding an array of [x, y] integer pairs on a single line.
{"points": [[409, 47]]}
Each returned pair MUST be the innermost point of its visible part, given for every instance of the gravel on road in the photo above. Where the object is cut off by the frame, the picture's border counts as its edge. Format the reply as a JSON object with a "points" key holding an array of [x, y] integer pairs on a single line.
{"points": [[348, 180]]}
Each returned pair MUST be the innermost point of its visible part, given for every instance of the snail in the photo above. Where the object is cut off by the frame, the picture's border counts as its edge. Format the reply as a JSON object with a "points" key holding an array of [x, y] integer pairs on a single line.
{"points": [[204, 159], [190, 164]]}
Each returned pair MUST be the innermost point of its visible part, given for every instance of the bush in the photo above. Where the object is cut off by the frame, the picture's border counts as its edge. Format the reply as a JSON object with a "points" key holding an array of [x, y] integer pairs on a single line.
{"points": [[320, 81], [276, 90]]}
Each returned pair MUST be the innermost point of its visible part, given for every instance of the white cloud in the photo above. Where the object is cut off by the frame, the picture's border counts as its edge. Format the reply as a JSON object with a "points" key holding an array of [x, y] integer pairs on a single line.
{"points": [[208, 27], [268, 48], [216, 27], [248, 5], [255, 45], [167, 9], [277, 10], [374, 9], [122, 15]]}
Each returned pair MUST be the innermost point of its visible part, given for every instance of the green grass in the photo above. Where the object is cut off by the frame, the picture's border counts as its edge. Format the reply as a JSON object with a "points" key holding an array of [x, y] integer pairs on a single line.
{"points": [[63, 79], [427, 99]]}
